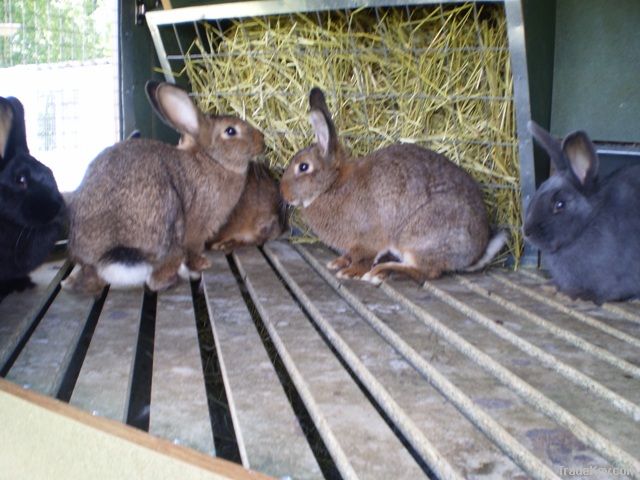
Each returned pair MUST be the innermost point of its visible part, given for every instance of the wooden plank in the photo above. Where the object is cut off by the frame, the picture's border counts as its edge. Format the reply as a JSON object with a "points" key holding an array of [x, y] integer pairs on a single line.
{"points": [[464, 446], [356, 428], [45, 438], [44, 360], [19, 310], [103, 383], [179, 410], [510, 358], [604, 415], [267, 429]]}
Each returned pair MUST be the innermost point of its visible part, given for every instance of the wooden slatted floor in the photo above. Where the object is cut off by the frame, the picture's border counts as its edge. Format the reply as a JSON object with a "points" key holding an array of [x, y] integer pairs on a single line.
{"points": [[272, 362]]}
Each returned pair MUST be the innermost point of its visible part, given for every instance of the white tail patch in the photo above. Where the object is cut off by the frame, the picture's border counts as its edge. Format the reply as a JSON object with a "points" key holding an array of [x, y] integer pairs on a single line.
{"points": [[493, 247], [121, 275]]}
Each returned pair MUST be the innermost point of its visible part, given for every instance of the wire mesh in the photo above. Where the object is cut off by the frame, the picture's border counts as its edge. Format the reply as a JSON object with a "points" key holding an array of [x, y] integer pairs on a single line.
{"points": [[437, 75]]}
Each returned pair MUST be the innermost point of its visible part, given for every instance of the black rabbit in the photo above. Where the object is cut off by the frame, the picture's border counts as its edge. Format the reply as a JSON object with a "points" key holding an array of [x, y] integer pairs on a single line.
{"points": [[587, 228], [32, 211]]}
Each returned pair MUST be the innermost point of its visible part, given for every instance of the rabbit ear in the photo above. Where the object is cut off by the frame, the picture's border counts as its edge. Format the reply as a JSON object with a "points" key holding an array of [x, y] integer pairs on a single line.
{"points": [[582, 156], [173, 105], [549, 143], [323, 127], [6, 118], [17, 140]]}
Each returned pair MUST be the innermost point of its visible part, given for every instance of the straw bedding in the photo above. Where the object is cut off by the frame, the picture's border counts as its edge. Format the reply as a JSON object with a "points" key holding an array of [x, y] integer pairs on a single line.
{"points": [[438, 76]]}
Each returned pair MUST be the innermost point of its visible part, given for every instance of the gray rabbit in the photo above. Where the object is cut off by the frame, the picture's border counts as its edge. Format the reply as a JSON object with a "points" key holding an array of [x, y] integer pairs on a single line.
{"points": [[401, 209], [587, 228], [144, 209]]}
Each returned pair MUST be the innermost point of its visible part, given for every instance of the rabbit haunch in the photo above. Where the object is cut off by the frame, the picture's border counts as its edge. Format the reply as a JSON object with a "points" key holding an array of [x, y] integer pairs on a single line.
{"points": [[144, 209], [401, 208], [587, 228]]}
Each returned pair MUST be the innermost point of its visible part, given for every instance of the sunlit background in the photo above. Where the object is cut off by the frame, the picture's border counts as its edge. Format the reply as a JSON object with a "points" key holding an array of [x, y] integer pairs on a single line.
{"points": [[60, 59]]}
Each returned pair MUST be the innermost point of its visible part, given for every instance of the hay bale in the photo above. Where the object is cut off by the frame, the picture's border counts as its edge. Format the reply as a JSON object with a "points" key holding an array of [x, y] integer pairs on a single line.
{"points": [[438, 76]]}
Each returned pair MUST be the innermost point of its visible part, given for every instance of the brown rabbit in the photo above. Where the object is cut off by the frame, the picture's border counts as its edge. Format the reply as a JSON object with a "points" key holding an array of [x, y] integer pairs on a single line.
{"points": [[145, 209], [259, 215], [402, 208]]}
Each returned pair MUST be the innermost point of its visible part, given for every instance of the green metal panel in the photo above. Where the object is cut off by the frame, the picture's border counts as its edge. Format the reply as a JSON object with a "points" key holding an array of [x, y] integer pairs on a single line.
{"points": [[138, 63], [597, 69], [540, 24]]}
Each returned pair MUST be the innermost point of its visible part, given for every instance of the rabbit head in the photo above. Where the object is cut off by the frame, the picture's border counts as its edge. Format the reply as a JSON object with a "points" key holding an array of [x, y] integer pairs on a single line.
{"points": [[227, 139], [561, 208], [28, 190], [315, 168]]}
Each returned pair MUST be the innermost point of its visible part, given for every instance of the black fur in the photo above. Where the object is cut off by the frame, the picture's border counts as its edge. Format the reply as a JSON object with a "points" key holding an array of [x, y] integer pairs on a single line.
{"points": [[32, 211], [124, 255], [587, 228]]}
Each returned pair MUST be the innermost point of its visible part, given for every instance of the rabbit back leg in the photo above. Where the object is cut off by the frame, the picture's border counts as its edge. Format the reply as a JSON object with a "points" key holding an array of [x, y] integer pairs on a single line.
{"points": [[166, 273], [85, 280], [355, 263], [416, 265]]}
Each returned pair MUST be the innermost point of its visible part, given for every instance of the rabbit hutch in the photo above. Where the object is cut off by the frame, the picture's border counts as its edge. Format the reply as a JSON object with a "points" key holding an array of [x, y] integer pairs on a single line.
{"points": [[270, 366]]}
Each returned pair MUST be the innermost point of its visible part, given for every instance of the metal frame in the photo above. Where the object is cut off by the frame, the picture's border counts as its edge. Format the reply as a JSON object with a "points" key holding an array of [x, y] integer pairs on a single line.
{"points": [[517, 51]]}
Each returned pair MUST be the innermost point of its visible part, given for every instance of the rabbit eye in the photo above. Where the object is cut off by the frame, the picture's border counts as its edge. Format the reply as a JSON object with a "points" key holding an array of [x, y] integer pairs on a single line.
{"points": [[558, 206], [21, 181], [230, 131], [303, 167]]}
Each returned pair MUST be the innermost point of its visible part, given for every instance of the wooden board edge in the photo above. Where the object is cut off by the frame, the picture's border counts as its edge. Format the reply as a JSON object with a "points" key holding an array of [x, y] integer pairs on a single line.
{"points": [[31, 402]]}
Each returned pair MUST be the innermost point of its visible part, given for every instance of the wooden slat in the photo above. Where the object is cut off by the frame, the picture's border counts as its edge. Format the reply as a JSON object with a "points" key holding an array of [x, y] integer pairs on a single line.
{"points": [[103, 383], [179, 408], [481, 399], [43, 362], [267, 429], [354, 428], [19, 310], [50, 439]]}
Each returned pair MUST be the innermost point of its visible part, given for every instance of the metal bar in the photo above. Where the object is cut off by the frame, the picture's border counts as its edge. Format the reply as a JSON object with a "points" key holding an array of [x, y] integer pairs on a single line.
{"points": [[415, 437], [160, 50], [518, 56], [270, 7], [487, 425]]}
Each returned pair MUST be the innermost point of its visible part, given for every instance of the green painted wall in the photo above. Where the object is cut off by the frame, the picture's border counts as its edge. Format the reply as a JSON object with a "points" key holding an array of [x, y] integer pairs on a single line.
{"points": [[597, 69]]}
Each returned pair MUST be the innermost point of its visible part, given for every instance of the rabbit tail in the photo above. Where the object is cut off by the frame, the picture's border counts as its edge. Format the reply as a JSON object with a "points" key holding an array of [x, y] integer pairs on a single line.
{"points": [[124, 267], [493, 247]]}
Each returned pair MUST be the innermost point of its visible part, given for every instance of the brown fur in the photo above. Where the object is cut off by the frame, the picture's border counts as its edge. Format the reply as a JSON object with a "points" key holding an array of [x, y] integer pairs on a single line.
{"points": [[402, 198], [160, 202], [257, 218]]}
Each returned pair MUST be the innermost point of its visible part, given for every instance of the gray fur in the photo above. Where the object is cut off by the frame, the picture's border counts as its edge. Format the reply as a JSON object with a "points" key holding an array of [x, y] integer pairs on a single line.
{"points": [[587, 228]]}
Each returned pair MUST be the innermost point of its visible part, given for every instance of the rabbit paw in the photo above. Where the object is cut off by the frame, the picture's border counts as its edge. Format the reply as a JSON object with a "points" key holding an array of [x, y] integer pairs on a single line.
{"points": [[186, 274], [352, 272], [373, 278], [197, 262], [84, 280], [339, 263]]}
